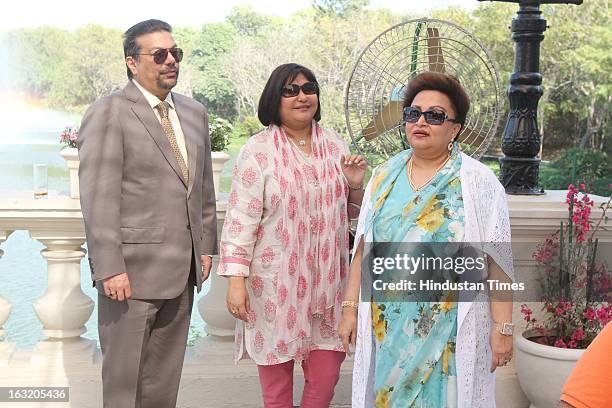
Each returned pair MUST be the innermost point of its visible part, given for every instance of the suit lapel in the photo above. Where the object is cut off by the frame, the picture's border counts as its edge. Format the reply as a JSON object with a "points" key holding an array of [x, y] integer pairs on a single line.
{"points": [[189, 123], [147, 117]]}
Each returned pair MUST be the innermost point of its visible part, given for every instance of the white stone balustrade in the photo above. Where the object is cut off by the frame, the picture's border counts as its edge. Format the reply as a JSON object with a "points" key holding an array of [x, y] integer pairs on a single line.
{"points": [[65, 358]]}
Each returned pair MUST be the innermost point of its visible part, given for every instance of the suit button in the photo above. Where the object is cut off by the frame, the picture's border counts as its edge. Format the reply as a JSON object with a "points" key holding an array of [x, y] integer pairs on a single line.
{"points": [[189, 227]]}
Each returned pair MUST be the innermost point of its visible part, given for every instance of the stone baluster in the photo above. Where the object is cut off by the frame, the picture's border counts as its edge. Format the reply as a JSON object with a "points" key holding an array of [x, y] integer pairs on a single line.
{"points": [[63, 309], [219, 322], [6, 348]]}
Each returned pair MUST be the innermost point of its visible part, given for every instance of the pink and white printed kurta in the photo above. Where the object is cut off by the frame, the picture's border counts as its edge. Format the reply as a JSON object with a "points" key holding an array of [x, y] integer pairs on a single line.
{"points": [[286, 231]]}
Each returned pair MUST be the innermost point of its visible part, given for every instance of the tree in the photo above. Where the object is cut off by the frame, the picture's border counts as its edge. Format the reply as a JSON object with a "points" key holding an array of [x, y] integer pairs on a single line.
{"points": [[211, 85], [339, 8]]}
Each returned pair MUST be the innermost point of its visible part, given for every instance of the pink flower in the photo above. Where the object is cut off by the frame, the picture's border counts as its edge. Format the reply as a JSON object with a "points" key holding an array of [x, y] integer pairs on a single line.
{"points": [[590, 314], [560, 343], [578, 334], [572, 344], [527, 312]]}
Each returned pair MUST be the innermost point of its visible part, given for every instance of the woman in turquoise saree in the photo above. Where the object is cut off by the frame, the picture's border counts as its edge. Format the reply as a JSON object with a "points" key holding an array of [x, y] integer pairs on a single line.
{"points": [[418, 196]]}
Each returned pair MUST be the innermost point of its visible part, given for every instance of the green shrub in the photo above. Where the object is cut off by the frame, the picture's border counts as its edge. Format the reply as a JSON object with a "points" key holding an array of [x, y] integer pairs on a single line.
{"points": [[578, 165], [220, 130], [246, 128]]}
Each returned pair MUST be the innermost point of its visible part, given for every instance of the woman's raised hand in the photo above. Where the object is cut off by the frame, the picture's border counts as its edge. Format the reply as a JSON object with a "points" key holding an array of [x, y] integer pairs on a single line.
{"points": [[354, 169]]}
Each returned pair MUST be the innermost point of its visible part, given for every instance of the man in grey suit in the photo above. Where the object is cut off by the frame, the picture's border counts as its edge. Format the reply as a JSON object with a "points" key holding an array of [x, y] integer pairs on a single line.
{"points": [[149, 207]]}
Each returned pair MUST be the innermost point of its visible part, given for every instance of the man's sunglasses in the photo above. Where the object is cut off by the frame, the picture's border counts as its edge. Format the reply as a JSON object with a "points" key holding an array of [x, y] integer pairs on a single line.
{"points": [[159, 56], [412, 115], [291, 90]]}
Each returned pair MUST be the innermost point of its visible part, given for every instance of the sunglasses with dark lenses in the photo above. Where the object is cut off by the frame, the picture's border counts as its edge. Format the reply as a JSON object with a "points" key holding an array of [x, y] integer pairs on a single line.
{"points": [[291, 90], [412, 115], [160, 56]]}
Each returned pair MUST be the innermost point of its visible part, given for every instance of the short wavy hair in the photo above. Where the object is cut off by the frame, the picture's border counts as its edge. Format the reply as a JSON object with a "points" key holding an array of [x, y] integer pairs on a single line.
{"points": [[448, 85]]}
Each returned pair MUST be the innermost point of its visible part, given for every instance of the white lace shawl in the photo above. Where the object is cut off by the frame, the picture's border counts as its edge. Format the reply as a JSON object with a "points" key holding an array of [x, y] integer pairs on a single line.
{"points": [[486, 220]]}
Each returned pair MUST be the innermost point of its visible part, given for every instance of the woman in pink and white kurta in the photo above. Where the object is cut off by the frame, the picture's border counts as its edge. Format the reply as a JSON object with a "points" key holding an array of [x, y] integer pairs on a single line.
{"points": [[285, 240]]}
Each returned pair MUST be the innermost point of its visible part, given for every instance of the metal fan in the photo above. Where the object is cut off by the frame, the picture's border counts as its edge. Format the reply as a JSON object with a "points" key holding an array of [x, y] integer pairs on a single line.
{"points": [[375, 91]]}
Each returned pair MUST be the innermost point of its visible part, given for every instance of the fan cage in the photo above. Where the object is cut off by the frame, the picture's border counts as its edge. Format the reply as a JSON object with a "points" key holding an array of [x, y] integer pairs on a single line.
{"points": [[374, 93]]}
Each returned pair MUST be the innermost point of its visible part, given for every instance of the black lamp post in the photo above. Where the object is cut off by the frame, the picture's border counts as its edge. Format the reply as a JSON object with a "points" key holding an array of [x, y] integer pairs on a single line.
{"points": [[521, 139]]}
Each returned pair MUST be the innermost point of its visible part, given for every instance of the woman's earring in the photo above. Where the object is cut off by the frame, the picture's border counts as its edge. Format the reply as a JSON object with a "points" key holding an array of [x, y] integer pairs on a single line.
{"points": [[450, 146]]}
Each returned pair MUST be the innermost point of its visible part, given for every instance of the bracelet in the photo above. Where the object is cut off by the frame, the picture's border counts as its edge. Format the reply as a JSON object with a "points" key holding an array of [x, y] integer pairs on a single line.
{"points": [[350, 303]]}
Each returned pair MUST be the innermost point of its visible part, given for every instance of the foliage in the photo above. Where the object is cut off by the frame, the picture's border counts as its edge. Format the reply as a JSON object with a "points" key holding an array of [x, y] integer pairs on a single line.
{"points": [[220, 130], [246, 128], [593, 167], [576, 290], [339, 8], [227, 64], [211, 86]]}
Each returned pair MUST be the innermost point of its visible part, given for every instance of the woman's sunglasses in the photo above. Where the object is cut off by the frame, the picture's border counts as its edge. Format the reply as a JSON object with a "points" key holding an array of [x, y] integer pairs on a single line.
{"points": [[159, 56], [291, 90], [412, 115]]}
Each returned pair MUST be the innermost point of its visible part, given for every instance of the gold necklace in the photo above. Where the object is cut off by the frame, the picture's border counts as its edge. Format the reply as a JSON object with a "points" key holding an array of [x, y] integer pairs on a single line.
{"points": [[431, 178]]}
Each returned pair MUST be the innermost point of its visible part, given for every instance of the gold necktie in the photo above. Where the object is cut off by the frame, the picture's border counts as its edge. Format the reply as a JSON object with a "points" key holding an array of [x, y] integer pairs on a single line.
{"points": [[163, 108]]}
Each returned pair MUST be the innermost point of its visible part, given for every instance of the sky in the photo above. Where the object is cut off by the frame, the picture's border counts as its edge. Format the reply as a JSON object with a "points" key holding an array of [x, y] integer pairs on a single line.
{"points": [[121, 14]]}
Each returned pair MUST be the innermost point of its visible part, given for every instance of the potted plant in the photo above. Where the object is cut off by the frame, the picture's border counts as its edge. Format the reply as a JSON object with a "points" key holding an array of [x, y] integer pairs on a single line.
{"points": [[219, 130], [69, 137], [576, 299]]}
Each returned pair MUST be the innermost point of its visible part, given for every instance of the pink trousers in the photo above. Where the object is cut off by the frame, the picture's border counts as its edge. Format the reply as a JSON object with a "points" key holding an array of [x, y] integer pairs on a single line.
{"points": [[321, 374]]}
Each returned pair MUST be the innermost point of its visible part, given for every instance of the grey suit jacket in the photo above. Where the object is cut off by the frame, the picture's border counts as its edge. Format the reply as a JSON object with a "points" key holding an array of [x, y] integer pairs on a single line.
{"points": [[140, 216]]}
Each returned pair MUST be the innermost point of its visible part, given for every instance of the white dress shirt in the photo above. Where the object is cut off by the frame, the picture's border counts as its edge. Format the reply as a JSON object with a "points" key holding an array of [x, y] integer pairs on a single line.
{"points": [[172, 115]]}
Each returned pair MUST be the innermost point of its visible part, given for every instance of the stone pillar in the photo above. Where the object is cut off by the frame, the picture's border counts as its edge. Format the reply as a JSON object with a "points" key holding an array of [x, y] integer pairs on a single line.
{"points": [[6, 348], [219, 322], [63, 309]]}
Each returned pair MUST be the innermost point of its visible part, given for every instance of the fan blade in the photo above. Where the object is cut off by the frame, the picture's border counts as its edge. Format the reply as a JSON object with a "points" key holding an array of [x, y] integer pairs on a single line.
{"points": [[471, 137], [389, 116], [434, 50]]}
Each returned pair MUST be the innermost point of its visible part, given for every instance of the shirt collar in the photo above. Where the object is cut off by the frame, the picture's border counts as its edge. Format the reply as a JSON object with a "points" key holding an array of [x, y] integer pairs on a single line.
{"points": [[152, 99]]}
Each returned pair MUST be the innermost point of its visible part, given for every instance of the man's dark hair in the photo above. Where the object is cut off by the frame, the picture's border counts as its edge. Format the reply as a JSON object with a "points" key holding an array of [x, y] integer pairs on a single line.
{"points": [[269, 101], [448, 85], [131, 47]]}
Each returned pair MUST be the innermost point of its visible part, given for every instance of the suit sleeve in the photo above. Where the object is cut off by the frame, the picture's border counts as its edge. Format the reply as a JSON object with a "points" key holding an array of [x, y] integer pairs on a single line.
{"points": [[209, 201], [100, 146]]}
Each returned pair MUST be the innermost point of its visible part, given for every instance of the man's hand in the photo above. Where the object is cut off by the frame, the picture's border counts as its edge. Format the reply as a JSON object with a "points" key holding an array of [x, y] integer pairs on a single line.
{"points": [[206, 265], [117, 287]]}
